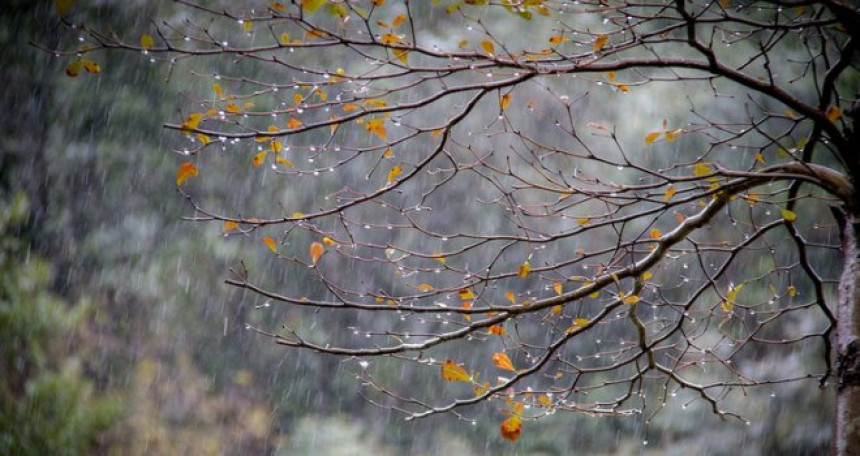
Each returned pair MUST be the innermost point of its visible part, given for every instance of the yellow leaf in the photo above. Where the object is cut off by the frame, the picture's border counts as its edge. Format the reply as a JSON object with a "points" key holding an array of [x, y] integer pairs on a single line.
{"points": [[285, 38], [759, 158], [632, 299], [505, 101], [653, 136], [727, 306], [203, 139], [312, 5], [497, 330], [276, 146], [511, 297], [558, 288], [600, 42], [466, 293], [186, 171], [90, 66], [511, 428], [670, 192], [395, 171], [294, 123], [316, 251], [297, 98], [555, 40], [583, 221], [488, 47], [655, 233], [283, 161], [833, 113], [701, 169], [230, 225], [452, 372], [233, 108], [219, 92], [425, 287], [482, 388], [270, 243], [792, 291], [247, 25], [525, 270], [74, 69], [260, 158], [147, 42], [788, 216], [502, 361], [646, 275], [328, 241], [671, 135], [398, 20], [402, 55], [463, 43], [577, 323], [63, 6], [556, 310], [545, 400]]}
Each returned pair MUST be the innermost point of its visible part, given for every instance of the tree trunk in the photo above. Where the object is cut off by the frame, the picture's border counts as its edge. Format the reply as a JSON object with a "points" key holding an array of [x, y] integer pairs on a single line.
{"points": [[846, 440]]}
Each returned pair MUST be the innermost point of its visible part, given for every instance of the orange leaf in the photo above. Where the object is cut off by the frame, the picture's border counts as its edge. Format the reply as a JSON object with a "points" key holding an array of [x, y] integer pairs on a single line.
{"points": [[230, 225], [511, 297], [670, 192], [488, 47], [505, 101], [396, 171], [425, 287], [390, 38], [270, 243], [502, 361], [555, 40], [558, 288], [497, 330], [398, 20], [452, 372], [655, 233], [600, 42], [512, 428], [294, 123], [316, 251], [260, 158], [653, 136], [833, 113], [186, 171]]}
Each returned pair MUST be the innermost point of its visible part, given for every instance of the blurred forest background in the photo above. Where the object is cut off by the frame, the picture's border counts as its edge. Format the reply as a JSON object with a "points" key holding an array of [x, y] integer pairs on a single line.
{"points": [[118, 335]]}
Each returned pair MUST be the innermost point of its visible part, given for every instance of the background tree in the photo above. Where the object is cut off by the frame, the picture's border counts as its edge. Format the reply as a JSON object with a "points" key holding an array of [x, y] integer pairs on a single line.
{"points": [[454, 201]]}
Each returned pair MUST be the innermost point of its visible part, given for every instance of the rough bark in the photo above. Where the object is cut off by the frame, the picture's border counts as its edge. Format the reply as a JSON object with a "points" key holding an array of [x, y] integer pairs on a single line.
{"points": [[847, 432]]}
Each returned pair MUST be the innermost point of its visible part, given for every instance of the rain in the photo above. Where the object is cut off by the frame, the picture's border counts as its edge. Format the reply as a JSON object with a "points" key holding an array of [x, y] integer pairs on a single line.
{"points": [[378, 227]]}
